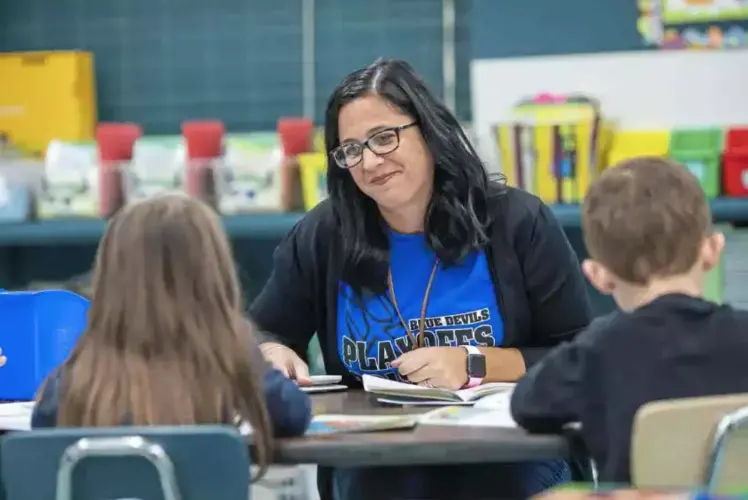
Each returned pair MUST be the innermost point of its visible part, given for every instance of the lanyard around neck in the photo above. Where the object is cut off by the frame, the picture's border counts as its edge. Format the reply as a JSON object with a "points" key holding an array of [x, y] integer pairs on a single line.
{"points": [[417, 341]]}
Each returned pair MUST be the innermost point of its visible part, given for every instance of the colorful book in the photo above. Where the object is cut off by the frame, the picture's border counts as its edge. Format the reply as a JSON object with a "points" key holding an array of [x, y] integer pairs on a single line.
{"points": [[336, 424]]}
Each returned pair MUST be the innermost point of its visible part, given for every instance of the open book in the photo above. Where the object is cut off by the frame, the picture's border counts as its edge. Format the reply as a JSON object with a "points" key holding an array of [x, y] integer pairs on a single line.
{"points": [[384, 387]]}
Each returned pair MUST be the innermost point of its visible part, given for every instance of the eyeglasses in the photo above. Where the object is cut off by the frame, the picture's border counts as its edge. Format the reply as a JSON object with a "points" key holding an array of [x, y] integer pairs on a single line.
{"points": [[385, 141]]}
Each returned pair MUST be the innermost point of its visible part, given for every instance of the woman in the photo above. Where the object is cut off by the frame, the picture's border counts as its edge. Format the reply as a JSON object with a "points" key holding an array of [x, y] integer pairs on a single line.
{"points": [[419, 268], [166, 342]]}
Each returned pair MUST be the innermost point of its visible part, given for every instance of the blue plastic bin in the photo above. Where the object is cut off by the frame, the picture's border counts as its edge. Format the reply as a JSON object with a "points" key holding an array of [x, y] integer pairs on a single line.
{"points": [[38, 330]]}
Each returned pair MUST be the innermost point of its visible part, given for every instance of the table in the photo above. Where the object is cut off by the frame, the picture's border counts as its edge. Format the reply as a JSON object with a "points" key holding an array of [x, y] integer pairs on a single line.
{"points": [[422, 446], [427, 445]]}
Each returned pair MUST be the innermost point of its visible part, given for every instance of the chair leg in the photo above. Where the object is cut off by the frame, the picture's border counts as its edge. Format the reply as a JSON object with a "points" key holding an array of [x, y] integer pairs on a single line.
{"points": [[725, 428], [324, 483]]}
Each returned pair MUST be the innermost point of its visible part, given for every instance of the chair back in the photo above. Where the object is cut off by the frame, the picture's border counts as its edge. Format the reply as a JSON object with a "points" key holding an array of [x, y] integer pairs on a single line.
{"points": [[38, 330], [681, 444], [144, 463]]}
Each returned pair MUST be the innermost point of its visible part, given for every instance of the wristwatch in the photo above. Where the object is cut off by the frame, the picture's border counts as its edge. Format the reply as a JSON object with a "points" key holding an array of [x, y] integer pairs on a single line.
{"points": [[476, 366]]}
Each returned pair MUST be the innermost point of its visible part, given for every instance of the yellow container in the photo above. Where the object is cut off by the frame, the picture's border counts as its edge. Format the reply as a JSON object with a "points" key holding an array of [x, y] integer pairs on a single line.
{"points": [[318, 140], [313, 168], [534, 149], [46, 96], [629, 144]]}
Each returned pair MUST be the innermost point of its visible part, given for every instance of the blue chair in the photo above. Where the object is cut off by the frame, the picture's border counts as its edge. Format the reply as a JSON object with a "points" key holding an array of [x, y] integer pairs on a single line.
{"points": [[144, 463], [37, 332]]}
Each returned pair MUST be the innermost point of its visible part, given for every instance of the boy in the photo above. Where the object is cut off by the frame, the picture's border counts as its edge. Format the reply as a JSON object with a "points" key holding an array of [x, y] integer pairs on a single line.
{"points": [[647, 228]]}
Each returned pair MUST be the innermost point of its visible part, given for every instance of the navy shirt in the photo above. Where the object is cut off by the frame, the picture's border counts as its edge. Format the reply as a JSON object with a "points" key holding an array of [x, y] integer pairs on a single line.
{"points": [[462, 309], [289, 407], [674, 347]]}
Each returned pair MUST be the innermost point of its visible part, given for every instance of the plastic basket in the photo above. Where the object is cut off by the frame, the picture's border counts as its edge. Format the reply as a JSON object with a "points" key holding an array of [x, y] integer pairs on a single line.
{"points": [[37, 333]]}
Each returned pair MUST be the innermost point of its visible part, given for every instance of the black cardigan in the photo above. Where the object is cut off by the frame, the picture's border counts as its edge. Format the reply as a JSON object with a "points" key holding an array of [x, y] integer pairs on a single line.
{"points": [[542, 295]]}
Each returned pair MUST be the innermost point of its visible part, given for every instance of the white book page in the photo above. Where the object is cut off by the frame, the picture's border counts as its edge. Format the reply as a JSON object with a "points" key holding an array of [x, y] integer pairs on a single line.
{"points": [[380, 385], [383, 385], [500, 401], [484, 390], [16, 416], [372, 384]]}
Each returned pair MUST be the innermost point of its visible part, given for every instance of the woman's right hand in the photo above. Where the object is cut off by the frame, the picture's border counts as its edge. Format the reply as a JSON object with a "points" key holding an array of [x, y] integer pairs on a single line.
{"points": [[286, 361]]}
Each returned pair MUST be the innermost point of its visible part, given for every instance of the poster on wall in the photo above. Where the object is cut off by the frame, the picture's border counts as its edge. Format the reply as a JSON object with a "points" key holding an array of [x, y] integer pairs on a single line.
{"points": [[694, 24]]}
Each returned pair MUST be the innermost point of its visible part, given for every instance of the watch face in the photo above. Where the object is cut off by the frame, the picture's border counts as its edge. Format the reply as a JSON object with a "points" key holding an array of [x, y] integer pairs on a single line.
{"points": [[476, 364]]}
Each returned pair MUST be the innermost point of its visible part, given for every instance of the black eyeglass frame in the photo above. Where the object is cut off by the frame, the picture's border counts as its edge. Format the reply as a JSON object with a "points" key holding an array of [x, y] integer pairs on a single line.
{"points": [[366, 144]]}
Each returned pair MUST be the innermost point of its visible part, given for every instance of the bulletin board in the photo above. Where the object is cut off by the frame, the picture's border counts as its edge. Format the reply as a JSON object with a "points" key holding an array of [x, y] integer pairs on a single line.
{"points": [[694, 24]]}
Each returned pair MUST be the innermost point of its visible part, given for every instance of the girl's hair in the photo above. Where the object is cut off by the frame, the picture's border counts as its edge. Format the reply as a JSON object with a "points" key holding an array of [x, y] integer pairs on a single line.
{"points": [[166, 342], [457, 218]]}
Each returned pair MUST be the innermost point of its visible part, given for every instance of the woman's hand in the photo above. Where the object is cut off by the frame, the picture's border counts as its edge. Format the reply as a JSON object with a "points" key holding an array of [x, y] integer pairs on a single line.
{"points": [[435, 366], [286, 361]]}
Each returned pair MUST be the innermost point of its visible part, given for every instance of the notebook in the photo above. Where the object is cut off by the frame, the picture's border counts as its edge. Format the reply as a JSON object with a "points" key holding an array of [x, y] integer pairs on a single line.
{"points": [[489, 411], [383, 387]]}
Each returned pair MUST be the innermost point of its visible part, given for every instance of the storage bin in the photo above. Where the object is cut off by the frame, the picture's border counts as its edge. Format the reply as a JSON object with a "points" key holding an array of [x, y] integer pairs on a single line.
{"points": [[553, 148], [70, 182], [115, 143], [735, 168], [701, 152], [157, 167], [629, 144], [15, 201], [313, 178], [46, 96], [251, 177], [38, 330]]}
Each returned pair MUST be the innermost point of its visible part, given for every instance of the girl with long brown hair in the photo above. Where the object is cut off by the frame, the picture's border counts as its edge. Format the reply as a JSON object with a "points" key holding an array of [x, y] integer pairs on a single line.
{"points": [[166, 342]]}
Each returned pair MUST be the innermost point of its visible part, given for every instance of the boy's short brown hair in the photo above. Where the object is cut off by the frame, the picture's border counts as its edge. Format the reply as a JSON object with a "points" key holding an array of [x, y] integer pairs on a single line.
{"points": [[644, 218]]}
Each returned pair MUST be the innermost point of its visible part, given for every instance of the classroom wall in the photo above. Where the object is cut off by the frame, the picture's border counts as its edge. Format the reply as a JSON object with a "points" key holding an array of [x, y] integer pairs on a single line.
{"points": [[159, 63], [652, 89], [593, 47]]}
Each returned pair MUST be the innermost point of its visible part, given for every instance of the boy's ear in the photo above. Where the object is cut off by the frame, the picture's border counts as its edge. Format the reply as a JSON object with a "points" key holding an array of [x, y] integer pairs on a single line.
{"points": [[599, 276], [711, 250]]}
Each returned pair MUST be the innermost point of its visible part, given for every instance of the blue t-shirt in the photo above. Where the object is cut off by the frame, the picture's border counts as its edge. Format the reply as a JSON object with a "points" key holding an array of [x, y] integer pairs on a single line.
{"points": [[462, 309]]}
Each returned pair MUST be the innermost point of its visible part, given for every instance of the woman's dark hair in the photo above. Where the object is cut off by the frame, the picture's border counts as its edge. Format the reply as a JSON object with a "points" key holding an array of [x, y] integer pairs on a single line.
{"points": [[457, 218]]}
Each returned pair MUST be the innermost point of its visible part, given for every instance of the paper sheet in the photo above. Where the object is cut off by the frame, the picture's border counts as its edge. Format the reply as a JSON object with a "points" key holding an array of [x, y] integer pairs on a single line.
{"points": [[16, 416]]}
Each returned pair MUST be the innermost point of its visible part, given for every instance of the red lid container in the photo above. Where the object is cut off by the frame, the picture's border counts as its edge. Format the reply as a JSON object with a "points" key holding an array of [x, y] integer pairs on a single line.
{"points": [[295, 135], [203, 139]]}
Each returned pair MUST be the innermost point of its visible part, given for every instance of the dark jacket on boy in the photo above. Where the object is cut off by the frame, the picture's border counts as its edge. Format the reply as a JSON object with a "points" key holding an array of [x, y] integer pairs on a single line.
{"points": [[674, 347]]}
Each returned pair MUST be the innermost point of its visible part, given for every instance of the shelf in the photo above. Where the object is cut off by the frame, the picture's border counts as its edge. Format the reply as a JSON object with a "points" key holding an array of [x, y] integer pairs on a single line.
{"points": [[724, 210], [259, 226], [89, 231], [696, 17]]}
